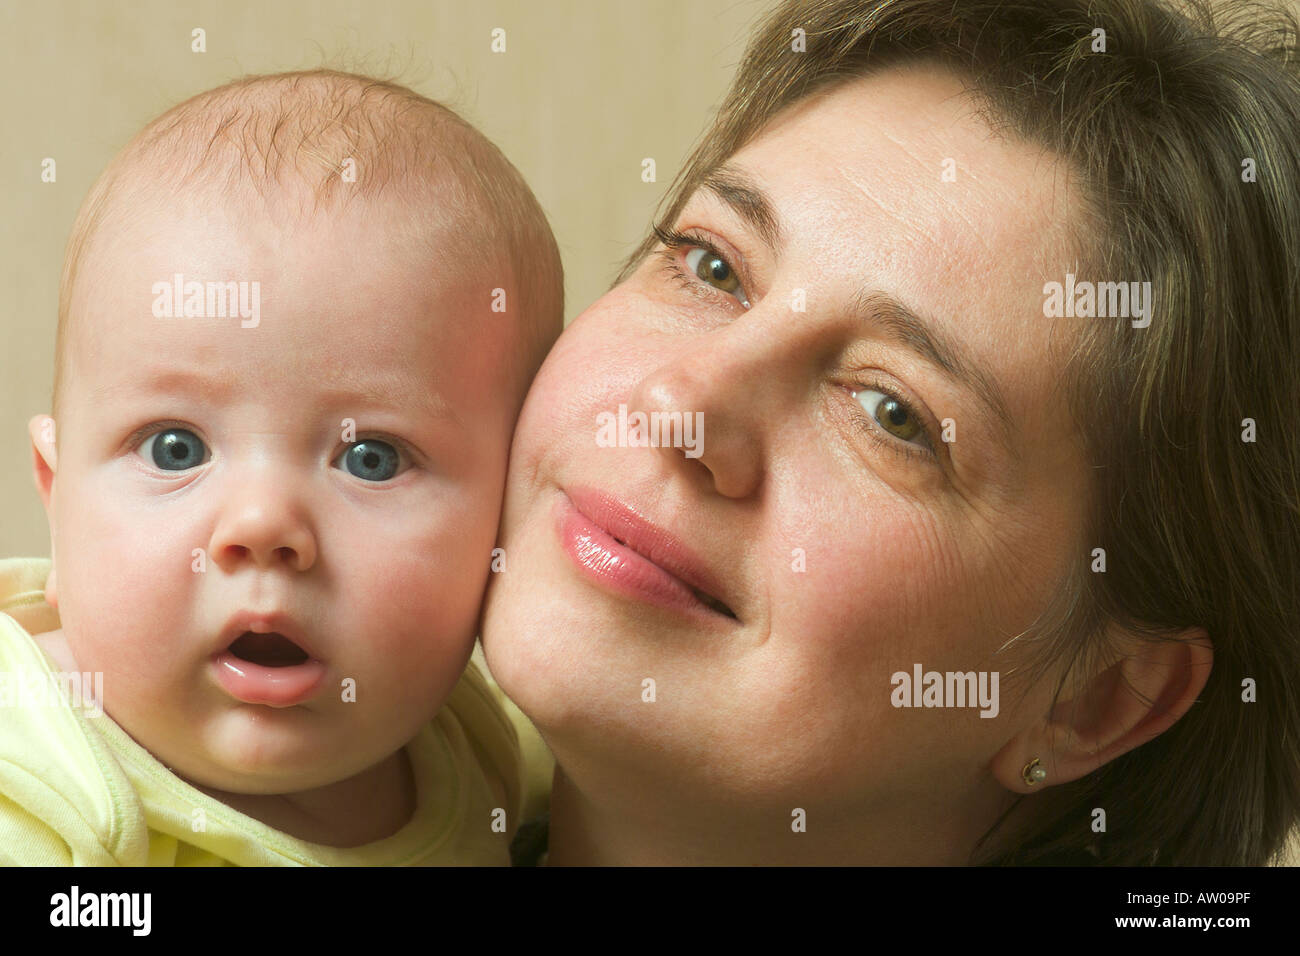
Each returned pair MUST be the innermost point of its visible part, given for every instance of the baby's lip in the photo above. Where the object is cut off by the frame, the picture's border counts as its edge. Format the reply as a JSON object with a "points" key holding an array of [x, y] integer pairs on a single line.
{"points": [[267, 672], [265, 622]]}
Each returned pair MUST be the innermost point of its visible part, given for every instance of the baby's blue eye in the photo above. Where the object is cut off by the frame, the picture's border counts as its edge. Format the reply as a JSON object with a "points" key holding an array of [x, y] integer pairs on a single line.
{"points": [[371, 459], [175, 449]]}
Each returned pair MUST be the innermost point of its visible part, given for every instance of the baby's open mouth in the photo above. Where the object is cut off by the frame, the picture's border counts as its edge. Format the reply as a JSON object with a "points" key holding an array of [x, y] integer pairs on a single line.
{"points": [[272, 649]]}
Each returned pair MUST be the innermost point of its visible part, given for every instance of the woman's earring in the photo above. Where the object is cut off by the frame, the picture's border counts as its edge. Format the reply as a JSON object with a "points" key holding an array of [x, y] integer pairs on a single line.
{"points": [[1033, 773]]}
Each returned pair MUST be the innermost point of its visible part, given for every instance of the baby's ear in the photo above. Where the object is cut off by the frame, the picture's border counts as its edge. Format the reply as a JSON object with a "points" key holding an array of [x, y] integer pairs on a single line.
{"points": [[44, 455]]}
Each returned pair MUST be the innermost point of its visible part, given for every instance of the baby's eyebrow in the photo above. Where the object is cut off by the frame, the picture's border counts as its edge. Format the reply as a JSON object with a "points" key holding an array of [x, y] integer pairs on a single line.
{"points": [[369, 394], [423, 401], [166, 380]]}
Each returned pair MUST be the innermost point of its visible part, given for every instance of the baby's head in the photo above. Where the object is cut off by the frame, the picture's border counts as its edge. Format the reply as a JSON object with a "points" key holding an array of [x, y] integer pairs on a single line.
{"points": [[319, 452]]}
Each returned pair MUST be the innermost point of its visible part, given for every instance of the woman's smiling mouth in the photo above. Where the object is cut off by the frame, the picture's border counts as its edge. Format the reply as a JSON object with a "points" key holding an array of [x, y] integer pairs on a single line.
{"points": [[621, 551]]}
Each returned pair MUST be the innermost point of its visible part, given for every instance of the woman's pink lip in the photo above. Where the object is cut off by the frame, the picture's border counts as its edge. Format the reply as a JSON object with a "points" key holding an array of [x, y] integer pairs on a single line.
{"points": [[273, 686], [621, 569]]}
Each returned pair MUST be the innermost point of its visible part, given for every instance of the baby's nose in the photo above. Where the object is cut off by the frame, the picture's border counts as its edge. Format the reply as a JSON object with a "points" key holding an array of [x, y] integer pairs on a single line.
{"points": [[267, 530]]}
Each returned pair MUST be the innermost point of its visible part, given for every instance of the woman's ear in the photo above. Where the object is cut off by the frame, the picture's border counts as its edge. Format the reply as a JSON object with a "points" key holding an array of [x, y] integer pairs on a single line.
{"points": [[44, 460], [1132, 701]]}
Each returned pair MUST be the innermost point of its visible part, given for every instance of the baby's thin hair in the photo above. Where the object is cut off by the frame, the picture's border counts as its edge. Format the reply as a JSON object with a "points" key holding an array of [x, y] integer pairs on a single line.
{"points": [[347, 138]]}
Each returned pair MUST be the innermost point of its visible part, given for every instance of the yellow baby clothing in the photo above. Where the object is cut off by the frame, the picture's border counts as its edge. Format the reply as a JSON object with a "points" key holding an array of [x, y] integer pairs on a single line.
{"points": [[76, 789]]}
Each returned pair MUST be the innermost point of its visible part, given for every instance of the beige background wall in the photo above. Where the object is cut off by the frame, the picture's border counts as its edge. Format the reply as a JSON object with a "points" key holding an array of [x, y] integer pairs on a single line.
{"points": [[585, 90]]}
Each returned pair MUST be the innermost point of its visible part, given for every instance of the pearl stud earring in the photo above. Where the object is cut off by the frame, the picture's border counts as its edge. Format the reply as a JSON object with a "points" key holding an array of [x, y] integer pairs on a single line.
{"points": [[1033, 773]]}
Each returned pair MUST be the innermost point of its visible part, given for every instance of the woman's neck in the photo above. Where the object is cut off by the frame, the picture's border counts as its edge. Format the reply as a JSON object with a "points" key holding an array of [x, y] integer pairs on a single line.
{"points": [[633, 829]]}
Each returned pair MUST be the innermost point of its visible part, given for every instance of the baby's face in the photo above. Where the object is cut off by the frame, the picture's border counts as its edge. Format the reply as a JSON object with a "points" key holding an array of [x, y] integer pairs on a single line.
{"points": [[332, 473]]}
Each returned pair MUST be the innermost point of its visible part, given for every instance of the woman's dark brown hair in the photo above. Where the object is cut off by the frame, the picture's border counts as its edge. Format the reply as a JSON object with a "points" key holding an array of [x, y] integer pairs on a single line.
{"points": [[1184, 127]]}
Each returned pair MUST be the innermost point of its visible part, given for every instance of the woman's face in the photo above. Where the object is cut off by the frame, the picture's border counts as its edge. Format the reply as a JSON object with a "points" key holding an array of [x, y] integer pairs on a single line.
{"points": [[886, 476]]}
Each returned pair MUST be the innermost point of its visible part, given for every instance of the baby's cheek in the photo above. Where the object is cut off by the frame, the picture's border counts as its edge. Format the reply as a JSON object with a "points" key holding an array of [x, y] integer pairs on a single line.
{"points": [[432, 575], [443, 595], [421, 625], [110, 566]]}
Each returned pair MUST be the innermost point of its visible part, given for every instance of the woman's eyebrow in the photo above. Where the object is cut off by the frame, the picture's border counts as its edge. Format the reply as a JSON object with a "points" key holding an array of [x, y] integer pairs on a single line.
{"points": [[747, 200], [900, 324]]}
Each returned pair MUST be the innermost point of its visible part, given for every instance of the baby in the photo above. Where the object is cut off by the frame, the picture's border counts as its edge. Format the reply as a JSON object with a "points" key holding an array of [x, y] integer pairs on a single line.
{"points": [[298, 317]]}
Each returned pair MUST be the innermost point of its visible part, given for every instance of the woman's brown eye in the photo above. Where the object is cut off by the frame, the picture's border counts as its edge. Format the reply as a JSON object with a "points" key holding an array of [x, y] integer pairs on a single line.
{"points": [[715, 270], [893, 415]]}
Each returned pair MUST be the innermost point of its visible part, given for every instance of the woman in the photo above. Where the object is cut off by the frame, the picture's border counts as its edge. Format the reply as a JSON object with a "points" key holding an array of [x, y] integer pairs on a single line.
{"points": [[976, 535]]}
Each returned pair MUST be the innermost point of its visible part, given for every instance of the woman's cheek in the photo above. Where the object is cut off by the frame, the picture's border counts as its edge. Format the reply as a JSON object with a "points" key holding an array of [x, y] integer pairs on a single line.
{"points": [[559, 422]]}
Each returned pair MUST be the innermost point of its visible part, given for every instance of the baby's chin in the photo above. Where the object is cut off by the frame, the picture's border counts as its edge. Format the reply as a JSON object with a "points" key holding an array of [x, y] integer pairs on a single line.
{"points": [[256, 750]]}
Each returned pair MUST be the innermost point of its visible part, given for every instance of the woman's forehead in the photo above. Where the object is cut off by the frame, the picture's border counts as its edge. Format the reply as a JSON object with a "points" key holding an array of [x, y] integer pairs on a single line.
{"points": [[896, 179], [905, 155]]}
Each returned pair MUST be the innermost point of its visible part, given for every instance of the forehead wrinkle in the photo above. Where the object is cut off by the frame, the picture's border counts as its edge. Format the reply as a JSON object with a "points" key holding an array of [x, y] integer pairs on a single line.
{"points": [[971, 100], [896, 217], [902, 147]]}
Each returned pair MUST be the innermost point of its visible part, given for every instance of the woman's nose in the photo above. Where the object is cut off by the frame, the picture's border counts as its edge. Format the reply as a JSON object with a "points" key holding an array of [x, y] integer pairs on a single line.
{"points": [[263, 521], [711, 402]]}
